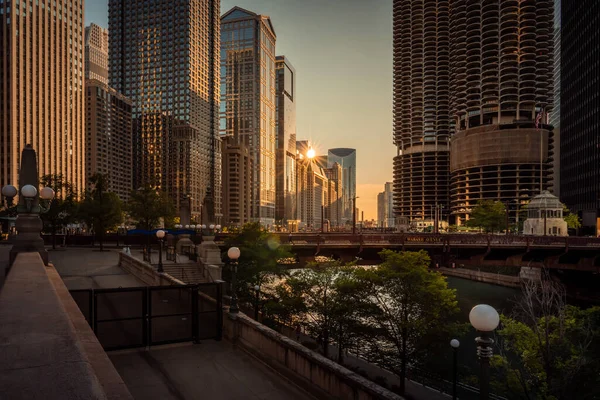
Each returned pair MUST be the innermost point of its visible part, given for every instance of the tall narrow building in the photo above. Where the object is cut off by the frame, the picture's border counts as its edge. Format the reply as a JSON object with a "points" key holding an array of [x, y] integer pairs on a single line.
{"points": [[164, 56], [501, 91], [580, 111], [555, 115], [42, 88], [248, 101], [285, 159], [346, 158], [96, 53]]}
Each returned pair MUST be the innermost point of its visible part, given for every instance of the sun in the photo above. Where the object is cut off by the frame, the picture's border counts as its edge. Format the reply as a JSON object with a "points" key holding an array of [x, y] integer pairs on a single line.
{"points": [[310, 153]]}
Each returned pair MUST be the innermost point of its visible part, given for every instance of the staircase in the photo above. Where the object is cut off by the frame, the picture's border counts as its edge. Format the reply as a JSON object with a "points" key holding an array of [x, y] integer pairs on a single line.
{"points": [[189, 272]]}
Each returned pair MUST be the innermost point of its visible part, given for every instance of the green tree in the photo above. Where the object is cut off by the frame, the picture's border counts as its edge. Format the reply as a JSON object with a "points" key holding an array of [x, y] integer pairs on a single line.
{"points": [[63, 208], [100, 209], [259, 255], [548, 350], [573, 221], [325, 299], [413, 310], [488, 215], [147, 206]]}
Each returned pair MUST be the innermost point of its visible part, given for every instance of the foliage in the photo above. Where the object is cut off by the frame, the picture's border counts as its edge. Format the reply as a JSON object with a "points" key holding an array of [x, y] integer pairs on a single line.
{"points": [[548, 350], [325, 299], [413, 309], [63, 207], [147, 206], [488, 215], [573, 221], [100, 209], [258, 262]]}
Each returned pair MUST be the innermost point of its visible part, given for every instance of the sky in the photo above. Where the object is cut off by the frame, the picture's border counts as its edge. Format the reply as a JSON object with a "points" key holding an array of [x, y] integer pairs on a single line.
{"points": [[342, 53]]}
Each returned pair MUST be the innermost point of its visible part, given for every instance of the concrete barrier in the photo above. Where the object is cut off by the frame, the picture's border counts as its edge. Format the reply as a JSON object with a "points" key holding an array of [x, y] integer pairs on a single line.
{"points": [[145, 272], [320, 376], [487, 277], [47, 349]]}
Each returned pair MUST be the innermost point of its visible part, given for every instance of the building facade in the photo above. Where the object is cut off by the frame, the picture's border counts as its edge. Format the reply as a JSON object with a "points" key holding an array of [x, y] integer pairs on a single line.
{"points": [[164, 56], [346, 158], [248, 100], [237, 173], [285, 159], [501, 91], [333, 211], [555, 115], [422, 122], [580, 111], [96, 53], [42, 88], [108, 128]]}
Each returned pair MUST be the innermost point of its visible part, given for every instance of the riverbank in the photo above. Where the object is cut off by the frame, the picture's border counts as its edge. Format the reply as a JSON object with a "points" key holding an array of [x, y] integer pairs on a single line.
{"points": [[486, 277]]}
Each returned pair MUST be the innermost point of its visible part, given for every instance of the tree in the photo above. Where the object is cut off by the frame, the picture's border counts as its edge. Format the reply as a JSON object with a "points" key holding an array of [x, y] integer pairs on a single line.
{"points": [[63, 208], [413, 308], [259, 255], [548, 349], [325, 299], [488, 215], [573, 221], [147, 206], [101, 209]]}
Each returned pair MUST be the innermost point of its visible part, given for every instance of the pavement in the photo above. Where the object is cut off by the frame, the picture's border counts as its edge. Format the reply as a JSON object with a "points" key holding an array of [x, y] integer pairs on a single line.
{"points": [[210, 370], [85, 268]]}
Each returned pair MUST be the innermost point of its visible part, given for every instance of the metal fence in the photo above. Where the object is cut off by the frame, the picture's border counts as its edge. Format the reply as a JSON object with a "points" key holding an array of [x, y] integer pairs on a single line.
{"points": [[145, 316]]}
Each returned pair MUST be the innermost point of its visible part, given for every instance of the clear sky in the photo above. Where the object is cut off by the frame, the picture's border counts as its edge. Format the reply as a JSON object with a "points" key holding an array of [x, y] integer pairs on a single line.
{"points": [[342, 52]]}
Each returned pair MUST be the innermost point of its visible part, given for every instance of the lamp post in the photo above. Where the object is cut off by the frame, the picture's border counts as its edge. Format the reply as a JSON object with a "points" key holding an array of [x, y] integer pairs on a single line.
{"points": [[160, 234], [257, 300], [455, 344], [234, 254], [484, 319]]}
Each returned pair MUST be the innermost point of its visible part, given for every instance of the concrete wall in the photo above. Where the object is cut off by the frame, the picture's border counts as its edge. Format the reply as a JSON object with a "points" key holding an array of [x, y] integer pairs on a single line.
{"points": [[145, 272], [487, 277], [47, 349], [322, 377]]}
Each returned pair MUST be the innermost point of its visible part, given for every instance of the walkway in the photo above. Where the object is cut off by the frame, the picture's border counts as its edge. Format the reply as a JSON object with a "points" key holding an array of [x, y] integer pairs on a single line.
{"points": [[85, 268], [210, 370]]}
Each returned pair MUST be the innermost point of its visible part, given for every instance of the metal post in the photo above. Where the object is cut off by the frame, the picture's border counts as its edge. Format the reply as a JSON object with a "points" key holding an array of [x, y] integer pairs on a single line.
{"points": [[160, 264], [455, 373], [507, 216], [485, 352], [354, 215], [256, 305], [233, 308]]}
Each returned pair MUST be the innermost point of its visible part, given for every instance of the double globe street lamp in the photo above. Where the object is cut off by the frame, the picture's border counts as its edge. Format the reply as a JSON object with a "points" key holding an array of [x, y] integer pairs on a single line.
{"points": [[485, 319]]}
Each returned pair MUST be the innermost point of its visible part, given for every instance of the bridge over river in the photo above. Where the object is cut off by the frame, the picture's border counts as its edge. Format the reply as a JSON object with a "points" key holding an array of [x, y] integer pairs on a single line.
{"points": [[447, 250]]}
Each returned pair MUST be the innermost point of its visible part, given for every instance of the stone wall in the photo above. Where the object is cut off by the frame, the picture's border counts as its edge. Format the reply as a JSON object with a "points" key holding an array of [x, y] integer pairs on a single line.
{"points": [[322, 377], [487, 277], [48, 349], [145, 272]]}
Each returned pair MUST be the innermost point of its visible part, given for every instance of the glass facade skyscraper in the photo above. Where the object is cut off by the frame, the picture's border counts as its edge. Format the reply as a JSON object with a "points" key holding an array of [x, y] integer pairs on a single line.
{"points": [[285, 164], [346, 158], [580, 110], [248, 100], [164, 56]]}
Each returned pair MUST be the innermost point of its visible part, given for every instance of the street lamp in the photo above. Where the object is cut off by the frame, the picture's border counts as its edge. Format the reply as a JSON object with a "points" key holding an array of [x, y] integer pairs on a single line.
{"points": [[455, 344], [234, 253], [257, 290], [160, 234], [485, 319]]}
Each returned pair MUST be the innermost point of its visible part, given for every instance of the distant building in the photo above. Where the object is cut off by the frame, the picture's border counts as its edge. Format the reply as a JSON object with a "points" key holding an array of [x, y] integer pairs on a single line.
{"points": [[545, 216], [580, 111], [389, 218], [333, 210], [248, 109], [555, 115], [96, 53], [164, 56], [346, 158], [285, 165], [108, 128], [237, 172], [381, 210], [42, 94]]}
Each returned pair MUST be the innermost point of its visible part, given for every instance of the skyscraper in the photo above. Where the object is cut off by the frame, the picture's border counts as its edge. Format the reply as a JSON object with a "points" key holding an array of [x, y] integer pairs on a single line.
{"points": [[41, 88], [555, 115], [580, 110], [96, 53], [501, 78], [285, 165], [422, 121], [346, 158], [163, 55], [248, 100]]}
